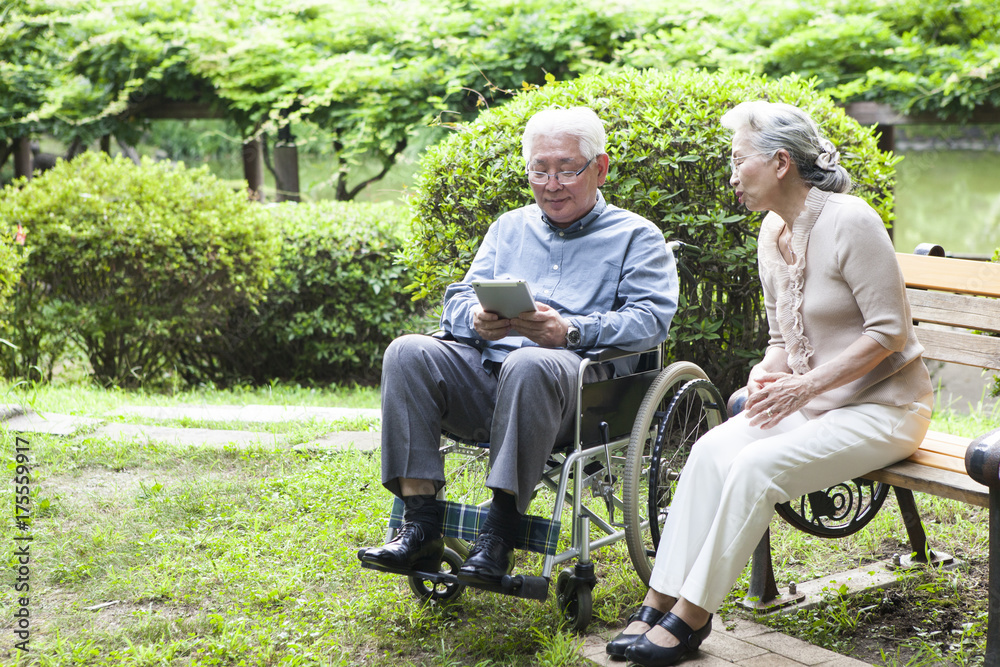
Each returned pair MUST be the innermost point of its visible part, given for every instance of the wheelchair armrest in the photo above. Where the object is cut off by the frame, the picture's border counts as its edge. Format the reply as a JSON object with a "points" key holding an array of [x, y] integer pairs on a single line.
{"points": [[594, 354], [598, 354]]}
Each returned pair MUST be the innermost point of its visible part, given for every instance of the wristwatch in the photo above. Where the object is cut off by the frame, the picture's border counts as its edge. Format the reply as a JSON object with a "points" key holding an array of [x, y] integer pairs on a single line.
{"points": [[573, 337]]}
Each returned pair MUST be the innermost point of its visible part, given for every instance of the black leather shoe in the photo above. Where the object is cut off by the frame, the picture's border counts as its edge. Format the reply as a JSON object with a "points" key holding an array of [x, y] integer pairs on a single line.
{"points": [[411, 549], [648, 615], [490, 558], [646, 653]]}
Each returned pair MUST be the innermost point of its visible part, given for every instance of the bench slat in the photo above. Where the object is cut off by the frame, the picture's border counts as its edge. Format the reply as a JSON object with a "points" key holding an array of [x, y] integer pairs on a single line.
{"points": [[943, 483], [957, 310], [946, 444], [939, 461], [953, 275], [960, 348]]}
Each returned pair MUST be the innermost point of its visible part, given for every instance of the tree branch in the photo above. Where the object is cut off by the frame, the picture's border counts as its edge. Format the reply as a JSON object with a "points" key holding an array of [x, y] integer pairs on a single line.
{"points": [[387, 164], [267, 162], [129, 151]]}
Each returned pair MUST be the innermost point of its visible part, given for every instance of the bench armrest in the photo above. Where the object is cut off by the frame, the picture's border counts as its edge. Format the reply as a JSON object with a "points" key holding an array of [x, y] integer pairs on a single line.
{"points": [[982, 459]]}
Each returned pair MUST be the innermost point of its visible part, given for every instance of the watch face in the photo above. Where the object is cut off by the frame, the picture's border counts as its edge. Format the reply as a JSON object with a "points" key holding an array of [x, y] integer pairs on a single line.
{"points": [[573, 336]]}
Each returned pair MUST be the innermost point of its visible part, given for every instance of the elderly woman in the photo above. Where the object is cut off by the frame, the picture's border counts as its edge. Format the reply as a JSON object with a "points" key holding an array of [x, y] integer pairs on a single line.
{"points": [[841, 390]]}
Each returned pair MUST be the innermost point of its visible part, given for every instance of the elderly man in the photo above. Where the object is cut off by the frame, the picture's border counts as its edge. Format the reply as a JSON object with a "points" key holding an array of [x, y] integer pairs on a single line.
{"points": [[602, 278]]}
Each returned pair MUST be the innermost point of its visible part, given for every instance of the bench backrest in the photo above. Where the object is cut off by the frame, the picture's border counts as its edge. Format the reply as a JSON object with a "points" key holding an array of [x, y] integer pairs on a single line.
{"points": [[955, 302]]}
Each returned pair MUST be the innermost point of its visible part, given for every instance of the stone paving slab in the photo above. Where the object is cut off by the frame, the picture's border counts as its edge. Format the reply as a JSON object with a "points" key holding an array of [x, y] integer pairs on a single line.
{"points": [[50, 423], [9, 411], [244, 413], [364, 441], [187, 436]]}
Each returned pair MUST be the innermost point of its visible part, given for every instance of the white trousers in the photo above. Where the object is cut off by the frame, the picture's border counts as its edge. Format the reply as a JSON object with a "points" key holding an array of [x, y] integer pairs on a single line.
{"points": [[736, 473]]}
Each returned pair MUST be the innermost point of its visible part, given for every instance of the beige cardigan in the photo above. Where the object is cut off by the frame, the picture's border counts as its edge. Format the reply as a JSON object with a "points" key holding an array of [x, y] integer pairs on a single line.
{"points": [[844, 282]]}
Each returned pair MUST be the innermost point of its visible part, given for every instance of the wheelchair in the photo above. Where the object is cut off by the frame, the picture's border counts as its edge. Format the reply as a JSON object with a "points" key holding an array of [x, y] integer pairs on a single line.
{"points": [[613, 481]]}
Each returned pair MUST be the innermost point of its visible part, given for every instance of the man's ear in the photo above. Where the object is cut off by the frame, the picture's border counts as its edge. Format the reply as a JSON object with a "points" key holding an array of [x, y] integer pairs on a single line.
{"points": [[603, 163]]}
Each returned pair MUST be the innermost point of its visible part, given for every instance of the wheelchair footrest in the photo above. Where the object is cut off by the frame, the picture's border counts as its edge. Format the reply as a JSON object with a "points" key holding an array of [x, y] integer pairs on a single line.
{"points": [[517, 585], [436, 577]]}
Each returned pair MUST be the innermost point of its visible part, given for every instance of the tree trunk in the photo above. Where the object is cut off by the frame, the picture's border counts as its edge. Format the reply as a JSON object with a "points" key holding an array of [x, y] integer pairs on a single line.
{"points": [[286, 165], [23, 160], [253, 168]]}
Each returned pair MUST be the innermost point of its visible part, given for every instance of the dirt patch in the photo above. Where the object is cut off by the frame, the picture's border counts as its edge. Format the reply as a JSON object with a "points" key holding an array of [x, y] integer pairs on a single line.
{"points": [[943, 612], [93, 488], [928, 618]]}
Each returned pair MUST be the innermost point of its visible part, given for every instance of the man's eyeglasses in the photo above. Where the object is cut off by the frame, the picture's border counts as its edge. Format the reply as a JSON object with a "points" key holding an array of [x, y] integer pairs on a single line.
{"points": [[562, 177], [738, 160]]}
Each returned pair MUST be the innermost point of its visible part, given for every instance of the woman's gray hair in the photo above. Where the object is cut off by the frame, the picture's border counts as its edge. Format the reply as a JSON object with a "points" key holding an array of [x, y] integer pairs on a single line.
{"points": [[772, 126], [579, 122]]}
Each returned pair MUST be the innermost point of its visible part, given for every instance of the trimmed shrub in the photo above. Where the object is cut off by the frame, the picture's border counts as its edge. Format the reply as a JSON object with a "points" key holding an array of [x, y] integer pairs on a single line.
{"points": [[669, 163], [336, 301], [11, 264], [133, 264]]}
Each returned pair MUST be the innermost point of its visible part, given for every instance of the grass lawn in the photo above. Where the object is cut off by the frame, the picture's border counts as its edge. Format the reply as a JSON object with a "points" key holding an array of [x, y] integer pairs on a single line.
{"points": [[150, 554]]}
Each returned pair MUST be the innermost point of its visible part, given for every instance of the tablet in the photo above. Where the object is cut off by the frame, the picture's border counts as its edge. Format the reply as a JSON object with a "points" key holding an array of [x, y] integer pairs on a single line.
{"points": [[506, 298]]}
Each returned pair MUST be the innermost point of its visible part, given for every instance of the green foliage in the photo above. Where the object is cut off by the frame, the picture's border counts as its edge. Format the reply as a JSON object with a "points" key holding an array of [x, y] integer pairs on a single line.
{"points": [[935, 56], [132, 264], [335, 303], [669, 163], [369, 73]]}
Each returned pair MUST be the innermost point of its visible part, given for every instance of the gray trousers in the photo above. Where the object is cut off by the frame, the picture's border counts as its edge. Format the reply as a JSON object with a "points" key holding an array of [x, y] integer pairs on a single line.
{"points": [[523, 411]]}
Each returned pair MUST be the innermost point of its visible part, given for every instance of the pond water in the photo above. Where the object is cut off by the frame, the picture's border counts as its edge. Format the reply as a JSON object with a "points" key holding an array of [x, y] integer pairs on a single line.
{"points": [[948, 197]]}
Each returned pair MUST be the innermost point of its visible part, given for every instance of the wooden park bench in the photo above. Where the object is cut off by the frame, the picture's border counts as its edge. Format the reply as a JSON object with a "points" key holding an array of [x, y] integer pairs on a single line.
{"points": [[956, 306]]}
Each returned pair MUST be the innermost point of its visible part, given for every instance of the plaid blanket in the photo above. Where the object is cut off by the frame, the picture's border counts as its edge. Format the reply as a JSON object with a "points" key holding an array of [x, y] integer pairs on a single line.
{"points": [[463, 521]]}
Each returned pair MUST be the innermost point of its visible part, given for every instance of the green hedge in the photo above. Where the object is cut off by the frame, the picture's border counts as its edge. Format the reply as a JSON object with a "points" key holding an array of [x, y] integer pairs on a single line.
{"points": [[669, 163], [336, 301], [132, 264], [12, 255]]}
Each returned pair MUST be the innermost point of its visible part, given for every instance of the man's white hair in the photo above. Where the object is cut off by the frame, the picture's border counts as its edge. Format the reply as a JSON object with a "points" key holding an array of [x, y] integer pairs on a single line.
{"points": [[579, 122]]}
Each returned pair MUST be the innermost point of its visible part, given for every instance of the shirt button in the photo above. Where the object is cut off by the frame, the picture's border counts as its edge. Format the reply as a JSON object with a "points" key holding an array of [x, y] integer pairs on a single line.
{"points": [[555, 267], [562, 233]]}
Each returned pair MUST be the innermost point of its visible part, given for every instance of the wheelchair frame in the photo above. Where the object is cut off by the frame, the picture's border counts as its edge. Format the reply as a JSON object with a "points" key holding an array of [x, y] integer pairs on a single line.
{"points": [[676, 405]]}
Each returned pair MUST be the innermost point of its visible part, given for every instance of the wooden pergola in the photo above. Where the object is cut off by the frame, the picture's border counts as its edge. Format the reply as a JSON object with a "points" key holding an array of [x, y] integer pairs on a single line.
{"points": [[886, 119]]}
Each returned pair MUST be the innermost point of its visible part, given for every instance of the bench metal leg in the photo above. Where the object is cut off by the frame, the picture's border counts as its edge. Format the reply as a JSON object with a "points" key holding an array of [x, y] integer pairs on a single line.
{"points": [[763, 588], [763, 594], [921, 553], [993, 604]]}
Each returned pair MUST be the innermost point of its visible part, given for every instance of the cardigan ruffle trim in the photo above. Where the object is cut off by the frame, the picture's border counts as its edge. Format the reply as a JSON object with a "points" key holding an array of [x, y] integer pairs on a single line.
{"points": [[789, 279]]}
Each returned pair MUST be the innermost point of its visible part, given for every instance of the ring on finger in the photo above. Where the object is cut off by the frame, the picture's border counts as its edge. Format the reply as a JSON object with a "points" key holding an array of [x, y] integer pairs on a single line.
{"points": [[769, 412]]}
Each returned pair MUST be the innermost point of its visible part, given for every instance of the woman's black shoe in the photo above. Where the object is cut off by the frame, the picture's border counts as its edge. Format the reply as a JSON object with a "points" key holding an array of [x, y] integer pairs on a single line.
{"points": [[646, 653], [648, 615]]}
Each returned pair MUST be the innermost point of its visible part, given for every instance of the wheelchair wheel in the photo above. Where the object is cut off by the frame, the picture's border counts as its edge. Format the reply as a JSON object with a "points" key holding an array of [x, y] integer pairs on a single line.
{"points": [[575, 599], [679, 407], [427, 590]]}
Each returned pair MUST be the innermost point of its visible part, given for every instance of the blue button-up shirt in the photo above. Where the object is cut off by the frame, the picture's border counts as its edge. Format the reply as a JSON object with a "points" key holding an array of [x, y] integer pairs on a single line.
{"points": [[610, 274]]}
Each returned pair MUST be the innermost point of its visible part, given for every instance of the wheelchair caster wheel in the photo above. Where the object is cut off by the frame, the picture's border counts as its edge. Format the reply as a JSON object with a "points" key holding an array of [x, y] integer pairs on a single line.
{"points": [[440, 591], [576, 600]]}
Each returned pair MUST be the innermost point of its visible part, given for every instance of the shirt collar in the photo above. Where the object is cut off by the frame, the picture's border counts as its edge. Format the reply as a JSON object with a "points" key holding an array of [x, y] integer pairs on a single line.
{"points": [[595, 213]]}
